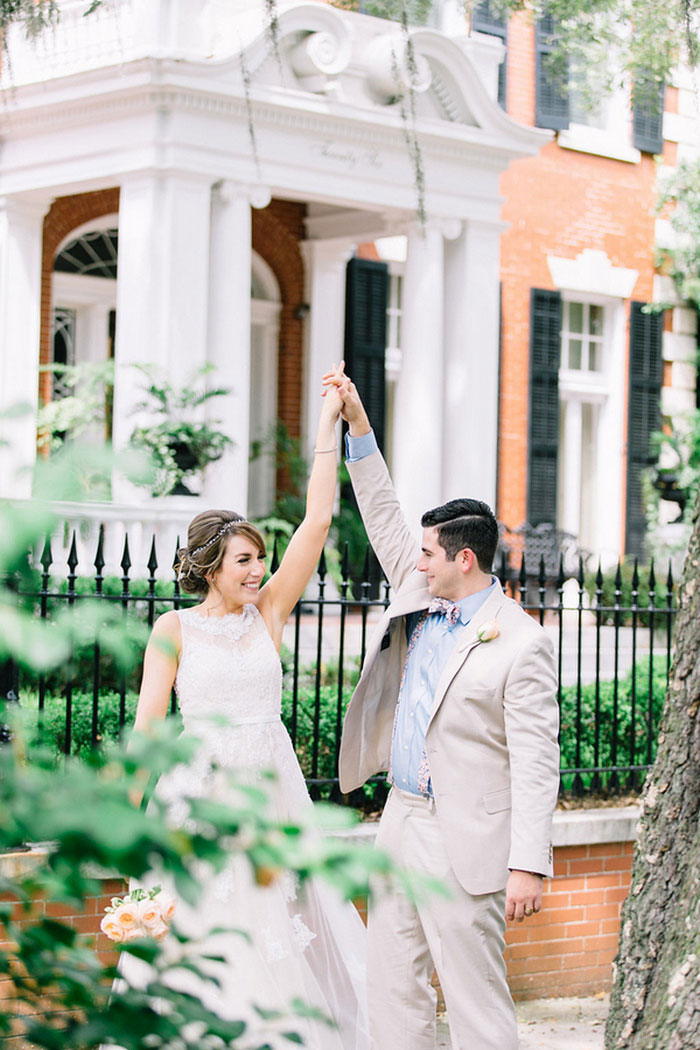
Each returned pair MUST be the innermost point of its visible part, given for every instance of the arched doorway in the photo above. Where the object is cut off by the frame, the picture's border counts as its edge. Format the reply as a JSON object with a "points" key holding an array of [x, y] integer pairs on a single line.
{"points": [[84, 296]]}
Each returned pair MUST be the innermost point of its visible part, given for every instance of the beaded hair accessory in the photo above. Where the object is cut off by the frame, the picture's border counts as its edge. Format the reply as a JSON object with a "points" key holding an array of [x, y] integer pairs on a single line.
{"points": [[226, 527]]}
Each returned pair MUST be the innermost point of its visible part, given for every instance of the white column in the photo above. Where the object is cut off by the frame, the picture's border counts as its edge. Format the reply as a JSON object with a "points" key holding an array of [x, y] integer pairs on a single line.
{"points": [[162, 285], [326, 263], [419, 404], [571, 473], [21, 225], [471, 362], [93, 332], [229, 340]]}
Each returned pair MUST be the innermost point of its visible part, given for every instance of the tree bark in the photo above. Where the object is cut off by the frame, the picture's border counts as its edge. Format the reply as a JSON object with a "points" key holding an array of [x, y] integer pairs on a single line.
{"points": [[655, 1001]]}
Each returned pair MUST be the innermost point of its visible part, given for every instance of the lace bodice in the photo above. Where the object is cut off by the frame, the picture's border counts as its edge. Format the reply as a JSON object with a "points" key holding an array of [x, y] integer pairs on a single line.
{"points": [[229, 670]]}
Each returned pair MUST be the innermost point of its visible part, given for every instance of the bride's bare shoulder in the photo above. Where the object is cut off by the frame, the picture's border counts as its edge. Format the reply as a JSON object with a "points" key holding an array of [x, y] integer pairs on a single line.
{"points": [[167, 626]]}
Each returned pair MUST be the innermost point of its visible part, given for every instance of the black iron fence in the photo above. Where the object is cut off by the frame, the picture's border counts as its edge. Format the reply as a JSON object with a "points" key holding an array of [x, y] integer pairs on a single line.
{"points": [[612, 635]]}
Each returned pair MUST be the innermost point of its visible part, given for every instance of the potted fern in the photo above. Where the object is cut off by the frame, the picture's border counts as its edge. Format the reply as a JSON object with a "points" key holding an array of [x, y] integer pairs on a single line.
{"points": [[180, 444]]}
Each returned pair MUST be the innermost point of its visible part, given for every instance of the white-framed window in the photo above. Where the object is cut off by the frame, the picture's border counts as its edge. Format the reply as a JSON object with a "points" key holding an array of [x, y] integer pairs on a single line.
{"points": [[582, 337], [393, 310], [591, 420], [603, 128], [63, 345]]}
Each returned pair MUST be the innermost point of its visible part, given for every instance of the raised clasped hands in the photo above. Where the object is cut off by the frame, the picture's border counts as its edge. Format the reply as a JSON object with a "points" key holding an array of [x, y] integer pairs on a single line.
{"points": [[352, 410], [332, 385]]}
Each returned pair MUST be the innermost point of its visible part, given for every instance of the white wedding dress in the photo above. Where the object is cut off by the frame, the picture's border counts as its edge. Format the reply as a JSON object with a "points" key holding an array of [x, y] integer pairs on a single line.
{"points": [[306, 943]]}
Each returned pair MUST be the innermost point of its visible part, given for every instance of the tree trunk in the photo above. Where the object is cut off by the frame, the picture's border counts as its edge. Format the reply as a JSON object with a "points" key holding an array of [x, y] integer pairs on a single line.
{"points": [[656, 991]]}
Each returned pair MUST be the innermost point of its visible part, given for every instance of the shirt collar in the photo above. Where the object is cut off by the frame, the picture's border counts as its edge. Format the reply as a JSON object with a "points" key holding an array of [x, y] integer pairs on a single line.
{"points": [[470, 605]]}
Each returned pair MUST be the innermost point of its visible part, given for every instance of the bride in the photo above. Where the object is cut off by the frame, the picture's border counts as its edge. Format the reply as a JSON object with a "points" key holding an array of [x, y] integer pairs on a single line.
{"points": [[222, 656]]}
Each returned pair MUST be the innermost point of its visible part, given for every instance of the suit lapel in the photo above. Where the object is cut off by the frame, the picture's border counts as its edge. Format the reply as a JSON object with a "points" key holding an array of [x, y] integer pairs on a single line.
{"points": [[467, 643]]}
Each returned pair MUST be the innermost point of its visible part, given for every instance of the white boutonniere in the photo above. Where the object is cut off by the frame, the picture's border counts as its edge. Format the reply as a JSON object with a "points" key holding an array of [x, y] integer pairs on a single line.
{"points": [[488, 631]]}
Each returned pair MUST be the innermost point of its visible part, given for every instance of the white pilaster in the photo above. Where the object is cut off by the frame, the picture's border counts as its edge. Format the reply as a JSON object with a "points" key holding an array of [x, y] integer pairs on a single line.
{"points": [[326, 263], [21, 225], [419, 404], [471, 362], [229, 340], [162, 285], [570, 510]]}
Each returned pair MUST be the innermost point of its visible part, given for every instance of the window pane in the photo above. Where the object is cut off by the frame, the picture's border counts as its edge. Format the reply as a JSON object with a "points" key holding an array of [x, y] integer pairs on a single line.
{"points": [[596, 320], [593, 357], [575, 317], [575, 346]]}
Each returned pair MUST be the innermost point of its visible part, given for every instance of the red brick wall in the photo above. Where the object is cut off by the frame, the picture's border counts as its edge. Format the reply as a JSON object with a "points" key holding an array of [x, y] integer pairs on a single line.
{"points": [[277, 233], [557, 203], [87, 921], [565, 950], [569, 947]]}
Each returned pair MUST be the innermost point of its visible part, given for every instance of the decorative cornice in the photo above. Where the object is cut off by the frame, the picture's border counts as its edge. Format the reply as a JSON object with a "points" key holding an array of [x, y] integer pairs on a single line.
{"points": [[271, 108]]}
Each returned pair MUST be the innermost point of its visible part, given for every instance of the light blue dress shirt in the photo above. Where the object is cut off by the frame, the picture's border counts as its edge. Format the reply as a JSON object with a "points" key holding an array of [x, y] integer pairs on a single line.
{"points": [[425, 664]]}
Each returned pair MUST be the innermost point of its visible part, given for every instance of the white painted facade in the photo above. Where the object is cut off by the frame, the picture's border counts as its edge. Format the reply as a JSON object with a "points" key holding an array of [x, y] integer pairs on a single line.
{"points": [[150, 96]]}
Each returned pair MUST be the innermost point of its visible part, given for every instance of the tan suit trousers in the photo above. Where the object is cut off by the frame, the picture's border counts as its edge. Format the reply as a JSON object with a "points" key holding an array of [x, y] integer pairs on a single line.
{"points": [[461, 937]]}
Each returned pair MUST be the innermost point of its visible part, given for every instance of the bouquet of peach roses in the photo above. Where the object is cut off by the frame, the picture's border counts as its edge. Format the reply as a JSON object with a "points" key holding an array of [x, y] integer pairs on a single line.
{"points": [[141, 913]]}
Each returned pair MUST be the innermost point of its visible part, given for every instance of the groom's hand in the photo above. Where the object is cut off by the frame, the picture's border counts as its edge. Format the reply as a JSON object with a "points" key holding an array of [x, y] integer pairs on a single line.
{"points": [[523, 895], [353, 411]]}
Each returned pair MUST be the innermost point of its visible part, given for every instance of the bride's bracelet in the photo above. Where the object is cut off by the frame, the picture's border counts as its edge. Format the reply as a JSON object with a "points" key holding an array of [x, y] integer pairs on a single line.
{"points": [[321, 451]]}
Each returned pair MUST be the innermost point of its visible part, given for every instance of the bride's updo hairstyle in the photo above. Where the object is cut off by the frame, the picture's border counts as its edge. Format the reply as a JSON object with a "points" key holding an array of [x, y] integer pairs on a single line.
{"points": [[207, 536]]}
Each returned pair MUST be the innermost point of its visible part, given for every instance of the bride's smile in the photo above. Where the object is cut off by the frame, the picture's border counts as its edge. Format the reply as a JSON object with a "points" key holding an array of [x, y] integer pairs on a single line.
{"points": [[241, 573]]}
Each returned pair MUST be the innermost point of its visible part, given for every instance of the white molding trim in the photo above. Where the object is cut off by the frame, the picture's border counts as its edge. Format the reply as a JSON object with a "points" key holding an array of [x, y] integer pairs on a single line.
{"points": [[599, 141], [592, 273]]}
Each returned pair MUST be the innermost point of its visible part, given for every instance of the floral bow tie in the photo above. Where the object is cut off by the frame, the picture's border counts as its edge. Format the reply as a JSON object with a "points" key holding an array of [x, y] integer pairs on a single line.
{"points": [[448, 609]]}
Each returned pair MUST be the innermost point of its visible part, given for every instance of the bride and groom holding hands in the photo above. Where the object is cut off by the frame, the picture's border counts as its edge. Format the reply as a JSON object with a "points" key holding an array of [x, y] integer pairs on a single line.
{"points": [[457, 700]]}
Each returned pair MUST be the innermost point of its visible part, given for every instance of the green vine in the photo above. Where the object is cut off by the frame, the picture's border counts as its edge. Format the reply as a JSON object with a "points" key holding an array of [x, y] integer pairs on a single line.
{"points": [[408, 119], [272, 26], [252, 137]]}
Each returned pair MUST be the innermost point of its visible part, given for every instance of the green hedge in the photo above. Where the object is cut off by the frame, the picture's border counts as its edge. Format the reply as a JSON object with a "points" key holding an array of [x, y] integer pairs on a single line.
{"points": [[53, 732], [606, 693]]}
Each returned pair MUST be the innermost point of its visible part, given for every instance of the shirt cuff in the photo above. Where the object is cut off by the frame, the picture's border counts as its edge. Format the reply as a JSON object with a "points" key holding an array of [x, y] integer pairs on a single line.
{"points": [[360, 447]]}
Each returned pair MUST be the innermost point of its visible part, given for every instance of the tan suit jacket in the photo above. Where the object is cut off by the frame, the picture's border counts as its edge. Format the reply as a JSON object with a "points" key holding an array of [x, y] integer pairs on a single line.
{"points": [[491, 740]]}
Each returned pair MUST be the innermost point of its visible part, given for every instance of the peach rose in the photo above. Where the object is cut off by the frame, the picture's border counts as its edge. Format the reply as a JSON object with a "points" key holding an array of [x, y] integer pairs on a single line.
{"points": [[111, 928], [150, 913], [167, 905], [126, 916], [159, 931], [488, 631], [135, 933]]}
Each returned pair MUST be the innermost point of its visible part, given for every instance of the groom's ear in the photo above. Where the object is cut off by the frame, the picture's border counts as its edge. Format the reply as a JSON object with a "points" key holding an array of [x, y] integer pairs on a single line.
{"points": [[466, 559]]}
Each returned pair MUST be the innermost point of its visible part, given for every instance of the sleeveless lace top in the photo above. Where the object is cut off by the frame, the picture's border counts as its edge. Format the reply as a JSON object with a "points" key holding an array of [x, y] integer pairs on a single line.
{"points": [[229, 670]]}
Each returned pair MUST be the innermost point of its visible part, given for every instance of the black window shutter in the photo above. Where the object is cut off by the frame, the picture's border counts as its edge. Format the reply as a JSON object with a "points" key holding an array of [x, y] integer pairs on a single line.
{"points": [[648, 119], [484, 20], [551, 92], [543, 430], [366, 288], [646, 331]]}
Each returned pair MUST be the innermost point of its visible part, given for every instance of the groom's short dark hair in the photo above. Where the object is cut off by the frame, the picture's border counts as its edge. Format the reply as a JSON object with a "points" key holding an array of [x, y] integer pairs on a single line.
{"points": [[464, 523]]}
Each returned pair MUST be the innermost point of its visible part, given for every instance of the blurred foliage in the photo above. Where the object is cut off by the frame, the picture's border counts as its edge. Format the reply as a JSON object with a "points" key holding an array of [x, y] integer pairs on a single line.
{"points": [[88, 391], [83, 812], [680, 203]]}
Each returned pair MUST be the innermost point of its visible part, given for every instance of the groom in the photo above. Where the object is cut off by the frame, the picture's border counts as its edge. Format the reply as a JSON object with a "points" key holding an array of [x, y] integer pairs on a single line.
{"points": [[457, 699]]}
